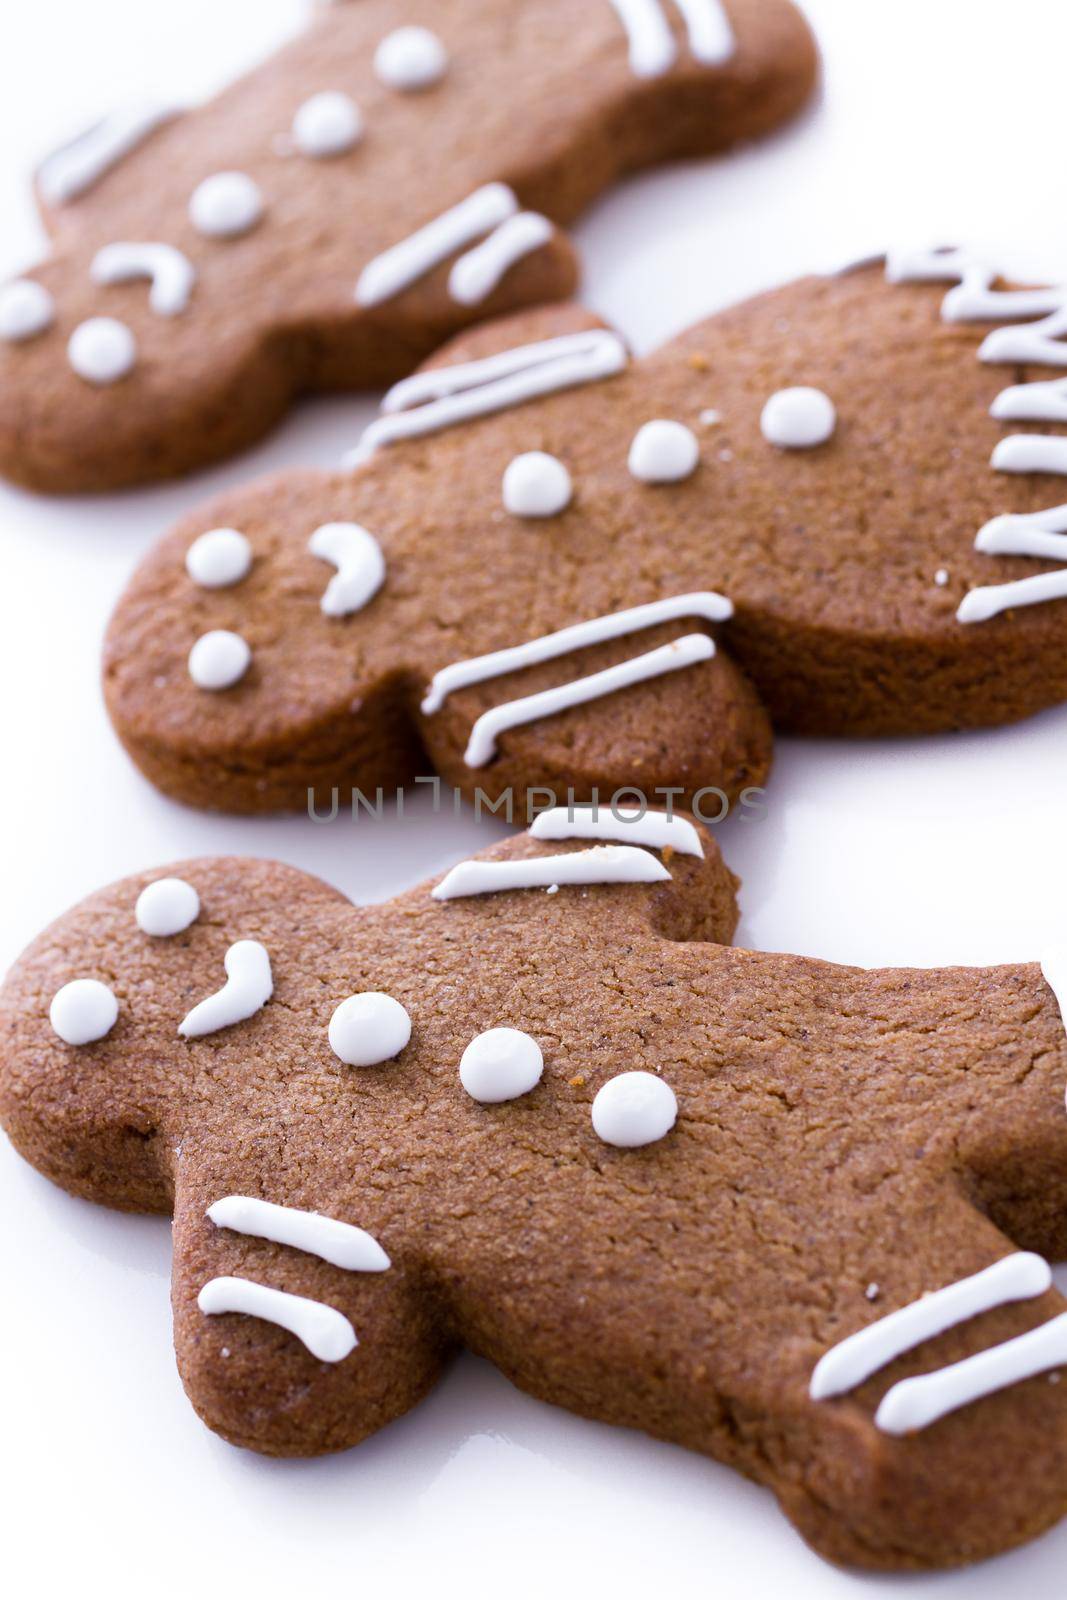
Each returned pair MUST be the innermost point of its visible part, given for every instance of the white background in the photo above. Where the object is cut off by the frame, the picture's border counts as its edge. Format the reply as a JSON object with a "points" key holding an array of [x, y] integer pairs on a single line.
{"points": [[940, 119]]}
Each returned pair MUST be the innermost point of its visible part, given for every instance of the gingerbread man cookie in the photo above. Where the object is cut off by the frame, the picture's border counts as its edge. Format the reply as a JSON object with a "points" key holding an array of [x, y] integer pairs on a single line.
{"points": [[394, 174], [549, 561], [792, 1215]]}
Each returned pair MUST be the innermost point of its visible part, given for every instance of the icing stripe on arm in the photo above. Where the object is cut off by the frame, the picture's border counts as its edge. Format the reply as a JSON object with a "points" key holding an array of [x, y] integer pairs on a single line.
{"points": [[476, 274], [653, 50], [339, 1243], [916, 1402], [991, 599], [1041, 534], [445, 396], [707, 604], [70, 171], [398, 268], [606, 864], [327, 1334], [549, 702], [855, 1359], [660, 830]]}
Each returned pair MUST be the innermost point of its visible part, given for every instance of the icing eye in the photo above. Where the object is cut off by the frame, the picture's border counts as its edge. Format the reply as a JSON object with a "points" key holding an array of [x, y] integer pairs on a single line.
{"points": [[26, 309], [798, 419], [410, 58], [226, 205], [501, 1065], [102, 350], [83, 1011], [329, 124], [537, 485], [219, 558], [367, 1029], [664, 452], [219, 659], [634, 1109], [167, 907]]}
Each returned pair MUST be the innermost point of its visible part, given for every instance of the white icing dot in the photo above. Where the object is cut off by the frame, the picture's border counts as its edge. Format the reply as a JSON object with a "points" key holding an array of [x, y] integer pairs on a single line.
{"points": [[327, 125], [941, 577], [218, 558], [633, 1109], [26, 309], [102, 350], [226, 205], [501, 1065], [798, 419], [664, 452], [411, 58], [537, 485], [219, 659], [367, 1029], [167, 907], [83, 1011]]}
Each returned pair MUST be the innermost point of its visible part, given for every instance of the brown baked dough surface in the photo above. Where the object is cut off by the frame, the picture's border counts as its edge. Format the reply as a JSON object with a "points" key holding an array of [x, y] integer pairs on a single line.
{"points": [[836, 1128], [539, 94]]}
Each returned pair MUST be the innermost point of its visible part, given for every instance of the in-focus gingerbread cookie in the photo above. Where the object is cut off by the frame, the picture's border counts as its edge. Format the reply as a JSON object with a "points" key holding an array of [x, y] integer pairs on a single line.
{"points": [[792, 1215], [518, 582], [393, 175]]}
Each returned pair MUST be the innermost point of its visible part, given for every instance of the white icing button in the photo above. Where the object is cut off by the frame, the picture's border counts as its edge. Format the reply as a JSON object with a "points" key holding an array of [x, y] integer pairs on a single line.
{"points": [[664, 452], [26, 309], [226, 205], [367, 1029], [219, 659], [798, 419], [83, 1011], [219, 558], [167, 907], [633, 1109], [410, 58], [537, 485], [102, 350], [327, 125], [501, 1065]]}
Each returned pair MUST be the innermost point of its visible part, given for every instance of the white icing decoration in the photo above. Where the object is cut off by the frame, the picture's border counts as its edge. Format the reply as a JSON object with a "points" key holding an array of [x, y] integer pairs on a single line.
{"points": [[653, 50], [219, 558], [172, 274], [26, 309], [339, 1243], [634, 1109], [357, 555], [605, 864], [167, 907], [659, 830], [83, 1011], [1032, 402], [500, 1065], [72, 170], [1031, 452], [798, 419], [1042, 534], [219, 659], [989, 600], [461, 674], [249, 985], [327, 1334], [1017, 1277], [938, 265], [329, 124], [917, 1402], [1054, 972], [444, 396], [537, 485], [226, 205], [975, 299], [673, 657], [1037, 344], [367, 1029], [405, 263], [410, 58], [102, 350], [477, 273], [664, 452]]}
